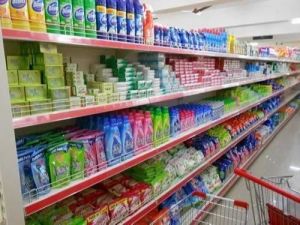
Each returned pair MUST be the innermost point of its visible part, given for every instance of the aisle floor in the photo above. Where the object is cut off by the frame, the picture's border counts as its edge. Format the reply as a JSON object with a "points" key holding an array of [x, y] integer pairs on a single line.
{"points": [[281, 157]]}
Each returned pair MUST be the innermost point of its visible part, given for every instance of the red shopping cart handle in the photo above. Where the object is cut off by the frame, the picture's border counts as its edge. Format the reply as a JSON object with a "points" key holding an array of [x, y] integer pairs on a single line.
{"points": [[272, 187]]}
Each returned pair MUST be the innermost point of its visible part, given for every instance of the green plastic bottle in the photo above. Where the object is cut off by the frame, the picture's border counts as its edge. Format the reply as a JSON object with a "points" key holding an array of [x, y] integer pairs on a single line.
{"points": [[157, 127], [66, 17], [90, 18], [165, 124], [78, 17], [52, 16]]}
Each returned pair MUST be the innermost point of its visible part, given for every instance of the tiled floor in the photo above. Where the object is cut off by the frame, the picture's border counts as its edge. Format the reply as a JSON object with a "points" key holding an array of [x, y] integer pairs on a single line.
{"points": [[281, 157]]}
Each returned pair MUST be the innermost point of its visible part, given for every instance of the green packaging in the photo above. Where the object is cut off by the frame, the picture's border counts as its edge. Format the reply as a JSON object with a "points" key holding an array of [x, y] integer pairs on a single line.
{"points": [[49, 59], [51, 71], [40, 106], [36, 92], [17, 94], [59, 162], [17, 62], [54, 82], [12, 76], [66, 17], [77, 152], [90, 18], [52, 16], [59, 93], [20, 109], [29, 77], [78, 17]]}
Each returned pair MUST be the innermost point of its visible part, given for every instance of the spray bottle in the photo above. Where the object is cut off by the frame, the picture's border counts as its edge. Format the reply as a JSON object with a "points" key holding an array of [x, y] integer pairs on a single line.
{"points": [[101, 19]]}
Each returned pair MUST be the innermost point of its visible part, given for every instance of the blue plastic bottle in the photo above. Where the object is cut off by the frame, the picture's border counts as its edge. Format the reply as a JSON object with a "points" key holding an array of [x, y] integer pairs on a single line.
{"points": [[113, 145], [111, 13], [157, 35], [127, 139], [138, 16], [130, 21], [121, 20], [101, 19], [166, 36]]}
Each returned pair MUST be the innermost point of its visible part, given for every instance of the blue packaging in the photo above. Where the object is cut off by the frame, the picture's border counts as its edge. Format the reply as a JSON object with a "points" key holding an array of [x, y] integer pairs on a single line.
{"points": [[138, 17], [39, 171], [130, 21], [173, 37], [101, 19], [127, 139], [157, 35], [121, 20], [183, 39], [111, 13], [166, 36], [113, 145]]}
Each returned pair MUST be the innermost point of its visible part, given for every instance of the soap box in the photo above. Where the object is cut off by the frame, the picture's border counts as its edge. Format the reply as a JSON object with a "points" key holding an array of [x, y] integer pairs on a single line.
{"points": [[40, 106], [35, 92], [50, 71], [59, 93], [71, 67], [49, 59], [101, 98], [87, 100], [17, 94], [54, 82], [20, 109], [58, 105], [12, 76], [29, 77], [47, 47], [79, 90], [17, 62], [75, 102]]}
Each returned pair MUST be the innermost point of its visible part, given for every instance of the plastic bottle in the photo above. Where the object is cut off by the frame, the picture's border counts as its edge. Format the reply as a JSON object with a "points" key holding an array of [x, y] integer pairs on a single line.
{"points": [[101, 19], [127, 139], [157, 35], [111, 13], [157, 127], [165, 123], [78, 17], [121, 20], [52, 16], [138, 16], [148, 130], [5, 20], [148, 26], [130, 21], [166, 36], [66, 17], [90, 18], [113, 145], [138, 133], [36, 15], [19, 14]]}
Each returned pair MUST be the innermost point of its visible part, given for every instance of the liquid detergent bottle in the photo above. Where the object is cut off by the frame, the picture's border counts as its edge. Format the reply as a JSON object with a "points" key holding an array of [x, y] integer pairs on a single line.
{"points": [[157, 127], [90, 18], [66, 17], [111, 13], [113, 145], [127, 139], [166, 36], [36, 15], [148, 26], [52, 16], [138, 133], [165, 123], [130, 20], [19, 14], [5, 19], [121, 20], [101, 19], [148, 130], [78, 17], [138, 16]]}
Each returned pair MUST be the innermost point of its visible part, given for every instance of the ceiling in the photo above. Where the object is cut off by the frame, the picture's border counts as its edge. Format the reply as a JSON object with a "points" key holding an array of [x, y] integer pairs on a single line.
{"points": [[244, 18]]}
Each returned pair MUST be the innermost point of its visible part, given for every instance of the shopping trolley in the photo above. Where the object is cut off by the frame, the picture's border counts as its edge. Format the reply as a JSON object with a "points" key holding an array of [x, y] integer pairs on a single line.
{"points": [[273, 200], [206, 209]]}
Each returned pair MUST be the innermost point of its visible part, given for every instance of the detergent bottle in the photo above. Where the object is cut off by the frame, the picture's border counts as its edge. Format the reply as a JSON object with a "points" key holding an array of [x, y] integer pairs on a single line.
{"points": [[101, 19], [157, 127], [36, 15], [127, 139], [138, 133], [111, 13], [90, 18], [165, 124], [148, 130], [52, 16], [121, 20], [19, 14], [78, 17], [5, 19], [66, 17], [138, 16], [130, 21]]}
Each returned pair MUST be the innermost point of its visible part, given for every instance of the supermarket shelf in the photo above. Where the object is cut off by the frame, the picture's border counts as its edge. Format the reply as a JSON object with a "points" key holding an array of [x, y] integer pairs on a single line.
{"points": [[166, 194], [234, 178], [13, 34], [50, 117], [77, 186]]}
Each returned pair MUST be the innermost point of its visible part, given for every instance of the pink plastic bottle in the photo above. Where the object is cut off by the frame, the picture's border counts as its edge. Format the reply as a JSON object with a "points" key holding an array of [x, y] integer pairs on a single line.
{"points": [[148, 130], [138, 133]]}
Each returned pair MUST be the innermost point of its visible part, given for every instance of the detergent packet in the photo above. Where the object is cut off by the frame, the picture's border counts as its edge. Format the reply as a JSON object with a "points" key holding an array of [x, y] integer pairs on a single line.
{"points": [[77, 153]]}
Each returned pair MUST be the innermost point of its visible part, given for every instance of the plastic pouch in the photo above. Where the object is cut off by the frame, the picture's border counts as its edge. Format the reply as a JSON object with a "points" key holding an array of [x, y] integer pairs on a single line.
{"points": [[77, 153]]}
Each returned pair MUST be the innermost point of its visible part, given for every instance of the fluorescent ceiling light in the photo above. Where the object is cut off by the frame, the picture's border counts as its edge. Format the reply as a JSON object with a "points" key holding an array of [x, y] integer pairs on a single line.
{"points": [[295, 21], [295, 168]]}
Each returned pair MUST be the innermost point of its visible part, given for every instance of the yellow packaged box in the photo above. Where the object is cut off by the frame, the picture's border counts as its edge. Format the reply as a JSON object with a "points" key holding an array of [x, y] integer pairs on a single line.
{"points": [[20, 109], [87, 100], [47, 48], [50, 71], [29, 77], [17, 62], [58, 105], [75, 102], [101, 98], [54, 82], [49, 59], [17, 94], [59, 93], [79, 90], [40, 106], [36, 92], [12, 76], [107, 87]]}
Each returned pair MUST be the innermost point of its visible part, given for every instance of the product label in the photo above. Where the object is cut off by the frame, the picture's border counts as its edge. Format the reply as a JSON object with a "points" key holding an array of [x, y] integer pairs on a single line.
{"points": [[2, 2], [91, 16], [18, 4], [121, 20], [101, 19], [128, 143], [66, 11], [37, 5], [52, 8], [111, 21], [130, 24], [79, 14], [138, 25]]}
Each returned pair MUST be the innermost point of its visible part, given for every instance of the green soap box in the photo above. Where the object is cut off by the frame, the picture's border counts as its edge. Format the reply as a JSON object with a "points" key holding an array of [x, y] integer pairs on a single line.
{"points": [[17, 94], [50, 71], [58, 105], [12, 76], [59, 93], [55, 82], [17, 62], [20, 109], [29, 77], [40, 106], [36, 92], [49, 59]]}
